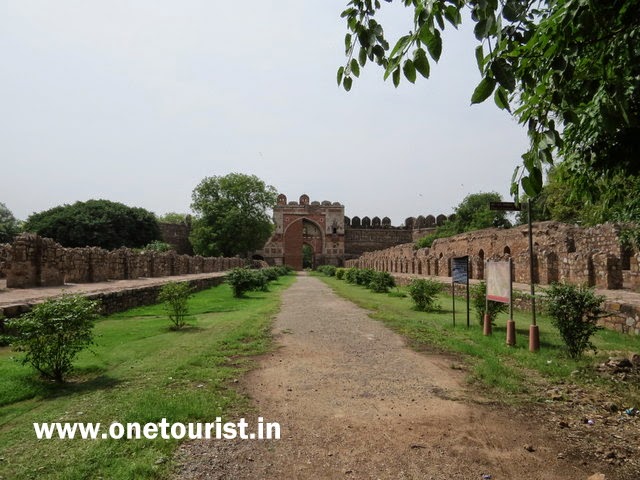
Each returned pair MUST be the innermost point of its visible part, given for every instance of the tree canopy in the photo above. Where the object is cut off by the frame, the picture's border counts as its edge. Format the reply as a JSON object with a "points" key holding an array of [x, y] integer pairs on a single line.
{"points": [[231, 214], [569, 70], [96, 223], [472, 213], [8, 224]]}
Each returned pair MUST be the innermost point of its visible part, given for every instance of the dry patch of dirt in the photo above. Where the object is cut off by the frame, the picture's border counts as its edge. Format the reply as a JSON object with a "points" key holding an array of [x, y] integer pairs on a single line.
{"points": [[354, 401]]}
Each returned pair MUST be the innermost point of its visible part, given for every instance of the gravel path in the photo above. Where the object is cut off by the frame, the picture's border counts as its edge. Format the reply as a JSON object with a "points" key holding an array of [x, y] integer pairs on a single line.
{"points": [[354, 401]]}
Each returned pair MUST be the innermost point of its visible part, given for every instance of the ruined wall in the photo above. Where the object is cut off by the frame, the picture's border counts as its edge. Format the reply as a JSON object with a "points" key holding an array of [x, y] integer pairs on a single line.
{"points": [[37, 262], [177, 235], [361, 240], [561, 253]]}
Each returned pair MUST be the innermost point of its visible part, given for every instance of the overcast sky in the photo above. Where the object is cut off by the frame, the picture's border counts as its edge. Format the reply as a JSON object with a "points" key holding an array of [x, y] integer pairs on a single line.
{"points": [[137, 101]]}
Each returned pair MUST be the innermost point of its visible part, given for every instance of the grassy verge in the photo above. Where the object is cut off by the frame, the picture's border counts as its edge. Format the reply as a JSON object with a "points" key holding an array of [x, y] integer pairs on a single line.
{"points": [[512, 372], [139, 371]]}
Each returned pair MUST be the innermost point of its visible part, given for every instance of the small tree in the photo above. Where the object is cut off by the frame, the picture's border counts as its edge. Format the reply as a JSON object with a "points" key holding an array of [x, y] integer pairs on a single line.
{"points": [[575, 311], [54, 332], [424, 293], [175, 296], [479, 302]]}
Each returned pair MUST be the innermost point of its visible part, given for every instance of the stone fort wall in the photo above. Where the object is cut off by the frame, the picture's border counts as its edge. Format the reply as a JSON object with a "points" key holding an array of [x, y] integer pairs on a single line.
{"points": [[592, 256], [33, 261], [370, 234]]}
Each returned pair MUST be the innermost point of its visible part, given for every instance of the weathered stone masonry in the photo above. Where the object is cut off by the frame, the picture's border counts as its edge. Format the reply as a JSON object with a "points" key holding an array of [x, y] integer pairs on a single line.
{"points": [[592, 256], [40, 262]]}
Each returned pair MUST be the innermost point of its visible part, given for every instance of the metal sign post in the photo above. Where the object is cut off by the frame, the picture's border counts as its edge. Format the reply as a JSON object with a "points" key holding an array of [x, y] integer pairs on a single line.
{"points": [[534, 333]]}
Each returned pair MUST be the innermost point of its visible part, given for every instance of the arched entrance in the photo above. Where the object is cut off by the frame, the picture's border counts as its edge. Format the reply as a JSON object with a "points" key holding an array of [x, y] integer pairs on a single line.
{"points": [[298, 234], [308, 256]]}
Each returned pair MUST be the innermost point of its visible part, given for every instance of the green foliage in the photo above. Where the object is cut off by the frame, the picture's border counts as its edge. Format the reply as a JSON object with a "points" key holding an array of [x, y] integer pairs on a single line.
{"points": [[8, 224], [340, 273], [566, 69], [307, 256], [381, 282], [328, 270], [176, 218], [471, 214], [478, 296], [574, 311], [98, 223], [54, 332], [244, 280], [158, 246], [175, 296], [144, 372], [231, 215], [351, 275], [424, 292], [364, 276]]}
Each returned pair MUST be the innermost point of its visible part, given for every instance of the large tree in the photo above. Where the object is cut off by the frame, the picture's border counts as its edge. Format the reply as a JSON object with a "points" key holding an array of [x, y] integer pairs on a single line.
{"points": [[8, 224], [568, 70], [231, 214], [96, 223]]}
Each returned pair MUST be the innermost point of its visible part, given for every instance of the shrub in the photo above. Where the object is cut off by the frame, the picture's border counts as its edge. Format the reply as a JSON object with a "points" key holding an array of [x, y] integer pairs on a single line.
{"points": [[364, 276], [381, 282], [158, 246], [54, 332], [270, 273], [283, 270], [260, 280], [340, 273], [574, 311], [424, 293], [241, 281], [328, 270], [175, 296], [350, 275], [478, 301], [244, 280]]}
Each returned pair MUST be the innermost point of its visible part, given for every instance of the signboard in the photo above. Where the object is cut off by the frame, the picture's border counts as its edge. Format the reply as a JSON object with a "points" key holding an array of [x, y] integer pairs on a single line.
{"points": [[460, 269], [498, 275], [505, 206], [459, 274]]}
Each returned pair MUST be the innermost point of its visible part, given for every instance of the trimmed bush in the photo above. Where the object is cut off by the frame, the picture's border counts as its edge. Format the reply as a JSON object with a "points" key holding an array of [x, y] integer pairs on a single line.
{"points": [[423, 292], [575, 311], [478, 301], [175, 296], [54, 332], [328, 270], [350, 275], [340, 273], [244, 280], [364, 276], [241, 281], [381, 282]]}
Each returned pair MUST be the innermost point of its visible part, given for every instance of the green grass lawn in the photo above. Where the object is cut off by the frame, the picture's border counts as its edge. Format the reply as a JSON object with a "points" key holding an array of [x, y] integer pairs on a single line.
{"points": [[512, 372], [138, 371]]}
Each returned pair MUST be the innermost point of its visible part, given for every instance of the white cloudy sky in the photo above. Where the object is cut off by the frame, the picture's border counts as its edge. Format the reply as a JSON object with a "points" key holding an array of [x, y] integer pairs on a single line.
{"points": [[137, 100]]}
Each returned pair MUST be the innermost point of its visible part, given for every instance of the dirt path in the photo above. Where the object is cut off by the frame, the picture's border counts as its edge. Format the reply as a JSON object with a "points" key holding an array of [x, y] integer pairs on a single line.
{"points": [[355, 402]]}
